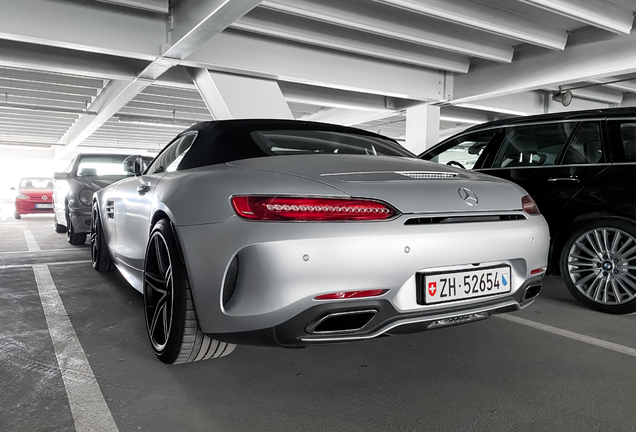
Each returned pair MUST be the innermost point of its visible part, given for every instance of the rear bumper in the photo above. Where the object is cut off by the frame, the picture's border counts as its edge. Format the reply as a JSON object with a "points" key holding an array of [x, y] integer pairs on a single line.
{"points": [[300, 331], [282, 267]]}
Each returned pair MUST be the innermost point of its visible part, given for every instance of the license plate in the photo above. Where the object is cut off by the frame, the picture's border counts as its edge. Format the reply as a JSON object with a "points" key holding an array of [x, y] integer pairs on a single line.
{"points": [[44, 206], [463, 284]]}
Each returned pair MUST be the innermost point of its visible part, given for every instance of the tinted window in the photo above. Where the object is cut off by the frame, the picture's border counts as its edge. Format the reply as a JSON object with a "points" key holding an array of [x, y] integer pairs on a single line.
{"points": [[464, 150], [534, 145], [585, 146], [101, 165], [288, 142], [171, 157], [628, 134]]}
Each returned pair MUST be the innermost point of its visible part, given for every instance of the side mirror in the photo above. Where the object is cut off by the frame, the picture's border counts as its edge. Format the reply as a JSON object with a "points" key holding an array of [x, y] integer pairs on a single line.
{"points": [[60, 176], [131, 165]]}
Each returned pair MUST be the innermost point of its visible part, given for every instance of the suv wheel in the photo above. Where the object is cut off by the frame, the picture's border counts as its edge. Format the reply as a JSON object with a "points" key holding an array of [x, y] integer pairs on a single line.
{"points": [[598, 263]]}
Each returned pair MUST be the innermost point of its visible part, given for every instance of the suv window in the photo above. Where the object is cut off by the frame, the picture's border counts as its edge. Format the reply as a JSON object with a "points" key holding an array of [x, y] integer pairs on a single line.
{"points": [[464, 150], [170, 158], [534, 145], [585, 146], [628, 134]]}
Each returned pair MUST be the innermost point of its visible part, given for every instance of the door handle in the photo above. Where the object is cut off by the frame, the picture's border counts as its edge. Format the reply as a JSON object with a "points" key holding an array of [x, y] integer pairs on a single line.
{"points": [[143, 189], [572, 178]]}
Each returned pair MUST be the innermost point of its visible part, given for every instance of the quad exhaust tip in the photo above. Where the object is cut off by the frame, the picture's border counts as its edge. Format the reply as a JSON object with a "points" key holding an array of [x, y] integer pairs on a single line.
{"points": [[344, 322]]}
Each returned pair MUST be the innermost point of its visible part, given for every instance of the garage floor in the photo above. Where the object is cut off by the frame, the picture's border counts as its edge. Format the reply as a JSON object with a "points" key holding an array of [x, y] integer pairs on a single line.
{"points": [[553, 366]]}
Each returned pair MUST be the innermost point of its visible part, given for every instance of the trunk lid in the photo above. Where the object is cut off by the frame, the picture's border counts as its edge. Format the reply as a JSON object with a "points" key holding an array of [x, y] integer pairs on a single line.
{"points": [[410, 185]]}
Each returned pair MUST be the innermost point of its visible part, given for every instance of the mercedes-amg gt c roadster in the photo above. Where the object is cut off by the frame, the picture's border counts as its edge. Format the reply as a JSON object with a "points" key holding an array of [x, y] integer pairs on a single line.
{"points": [[291, 233]]}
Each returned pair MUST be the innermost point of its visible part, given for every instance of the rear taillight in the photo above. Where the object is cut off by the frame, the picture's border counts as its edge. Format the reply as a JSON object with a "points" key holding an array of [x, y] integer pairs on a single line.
{"points": [[310, 209], [529, 206]]}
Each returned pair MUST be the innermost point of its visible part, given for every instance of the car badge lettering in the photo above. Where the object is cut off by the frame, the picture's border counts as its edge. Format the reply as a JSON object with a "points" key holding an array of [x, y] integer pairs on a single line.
{"points": [[432, 288], [468, 196]]}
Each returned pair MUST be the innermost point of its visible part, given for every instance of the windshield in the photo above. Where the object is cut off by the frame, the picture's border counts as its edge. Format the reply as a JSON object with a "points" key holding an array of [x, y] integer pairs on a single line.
{"points": [[101, 165], [36, 183], [292, 142]]}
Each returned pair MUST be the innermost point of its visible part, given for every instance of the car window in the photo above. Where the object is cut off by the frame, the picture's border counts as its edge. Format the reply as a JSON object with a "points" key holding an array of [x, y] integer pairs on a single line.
{"points": [[170, 158], [535, 145], [291, 142], [585, 146], [628, 134], [464, 150], [101, 165]]}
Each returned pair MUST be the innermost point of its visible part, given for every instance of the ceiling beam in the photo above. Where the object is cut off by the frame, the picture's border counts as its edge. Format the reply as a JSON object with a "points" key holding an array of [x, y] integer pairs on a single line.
{"points": [[333, 98], [64, 61], [299, 29], [589, 55], [195, 21], [85, 26], [489, 19], [375, 18], [601, 14], [347, 117], [243, 53], [159, 6]]}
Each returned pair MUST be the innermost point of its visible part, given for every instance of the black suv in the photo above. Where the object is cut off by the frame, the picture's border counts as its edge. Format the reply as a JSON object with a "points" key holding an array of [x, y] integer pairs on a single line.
{"points": [[580, 168]]}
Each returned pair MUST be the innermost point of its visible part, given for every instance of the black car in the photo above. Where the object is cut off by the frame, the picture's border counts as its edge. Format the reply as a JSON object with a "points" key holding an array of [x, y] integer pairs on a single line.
{"points": [[580, 168]]}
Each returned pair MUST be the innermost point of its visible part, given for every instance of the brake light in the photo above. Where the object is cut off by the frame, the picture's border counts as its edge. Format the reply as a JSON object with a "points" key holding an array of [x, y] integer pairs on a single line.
{"points": [[529, 206], [310, 209], [351, 294]]}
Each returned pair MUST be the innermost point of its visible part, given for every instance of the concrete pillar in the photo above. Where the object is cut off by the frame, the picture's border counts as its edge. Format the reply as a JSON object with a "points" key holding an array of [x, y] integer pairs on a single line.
{"points": [[235, 97], [422, 127]]}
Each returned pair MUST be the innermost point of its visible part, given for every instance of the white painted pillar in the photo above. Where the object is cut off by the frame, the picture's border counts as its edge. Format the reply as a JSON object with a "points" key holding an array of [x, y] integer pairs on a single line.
{"points": [[239, 97], [422, 127]]}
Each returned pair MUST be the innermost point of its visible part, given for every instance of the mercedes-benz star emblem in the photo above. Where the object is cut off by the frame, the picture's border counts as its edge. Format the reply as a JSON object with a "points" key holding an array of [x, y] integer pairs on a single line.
{"points": [[44, 198], [468, 196]]}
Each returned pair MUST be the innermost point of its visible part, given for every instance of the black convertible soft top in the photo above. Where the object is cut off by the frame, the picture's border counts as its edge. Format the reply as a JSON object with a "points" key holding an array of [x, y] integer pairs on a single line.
{"points": [[229, 140]]}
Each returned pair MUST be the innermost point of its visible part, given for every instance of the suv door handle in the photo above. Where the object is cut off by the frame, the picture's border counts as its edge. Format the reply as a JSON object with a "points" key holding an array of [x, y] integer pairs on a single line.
{"points": [[143, 189], [572, 178]]}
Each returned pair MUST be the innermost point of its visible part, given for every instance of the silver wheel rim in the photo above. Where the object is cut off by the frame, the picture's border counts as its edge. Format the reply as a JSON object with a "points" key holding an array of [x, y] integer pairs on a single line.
{"points": [[158, 292], [602, 265]]}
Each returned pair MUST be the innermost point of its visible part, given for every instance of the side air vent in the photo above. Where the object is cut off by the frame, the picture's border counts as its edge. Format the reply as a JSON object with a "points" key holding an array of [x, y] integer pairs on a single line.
{"points": [[110, 209], [230, 280], [462, 219]]}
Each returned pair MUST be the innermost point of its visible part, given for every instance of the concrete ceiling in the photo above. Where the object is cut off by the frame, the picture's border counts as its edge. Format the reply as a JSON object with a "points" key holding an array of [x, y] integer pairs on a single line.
{"points": [[95, 74]]}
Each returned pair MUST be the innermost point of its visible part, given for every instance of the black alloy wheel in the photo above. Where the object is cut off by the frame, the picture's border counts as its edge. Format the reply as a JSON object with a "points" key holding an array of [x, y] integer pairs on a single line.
{"points": [[598, 263], [100, 258], [171, 320]]}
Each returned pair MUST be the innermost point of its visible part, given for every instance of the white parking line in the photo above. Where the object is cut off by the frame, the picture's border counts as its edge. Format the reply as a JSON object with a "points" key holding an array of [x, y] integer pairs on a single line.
{"points": [[12, 266], [571, 335], [89, 409], [30, 241]]}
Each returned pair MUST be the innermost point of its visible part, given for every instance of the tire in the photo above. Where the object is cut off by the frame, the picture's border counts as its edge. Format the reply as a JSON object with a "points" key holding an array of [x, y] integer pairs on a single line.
{"points": [[100, 258], [58, 228], [17, 215], [73, 238], [171, 320], [598, 264]]}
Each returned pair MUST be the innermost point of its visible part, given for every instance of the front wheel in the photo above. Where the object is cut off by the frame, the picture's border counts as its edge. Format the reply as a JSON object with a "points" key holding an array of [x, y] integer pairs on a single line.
{"points": [[598, 263], [17, 215], [171, 319]]}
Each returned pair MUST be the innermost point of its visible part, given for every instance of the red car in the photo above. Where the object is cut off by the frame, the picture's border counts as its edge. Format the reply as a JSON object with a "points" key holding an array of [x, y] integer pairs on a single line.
{"points": [[35, 195]]}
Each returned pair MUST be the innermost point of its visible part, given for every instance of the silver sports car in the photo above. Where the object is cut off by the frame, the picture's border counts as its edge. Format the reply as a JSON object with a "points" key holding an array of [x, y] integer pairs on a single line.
{"points": [[290, 233]]}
